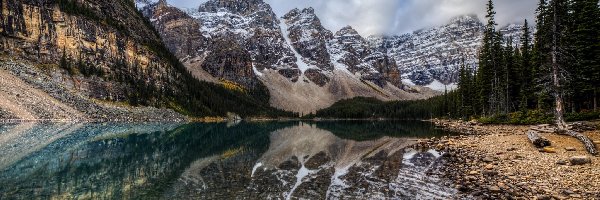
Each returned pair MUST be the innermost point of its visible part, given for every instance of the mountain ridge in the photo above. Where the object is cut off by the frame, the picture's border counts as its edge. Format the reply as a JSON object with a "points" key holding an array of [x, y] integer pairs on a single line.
{"points": [[291, 55]]}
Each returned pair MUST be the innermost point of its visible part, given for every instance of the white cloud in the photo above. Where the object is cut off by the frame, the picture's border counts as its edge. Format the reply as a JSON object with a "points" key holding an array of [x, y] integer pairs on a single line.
{"points": [[395, 16]]}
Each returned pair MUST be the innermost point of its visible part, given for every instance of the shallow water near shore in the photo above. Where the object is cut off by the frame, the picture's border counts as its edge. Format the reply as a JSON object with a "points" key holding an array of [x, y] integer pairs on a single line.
{"points": [[269, 160]]}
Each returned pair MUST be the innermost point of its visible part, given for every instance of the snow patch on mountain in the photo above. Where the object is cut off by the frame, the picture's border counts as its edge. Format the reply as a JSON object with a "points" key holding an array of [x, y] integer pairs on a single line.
{"points": [[140, 4], [222, 23], [439, 86], [302, 65]]}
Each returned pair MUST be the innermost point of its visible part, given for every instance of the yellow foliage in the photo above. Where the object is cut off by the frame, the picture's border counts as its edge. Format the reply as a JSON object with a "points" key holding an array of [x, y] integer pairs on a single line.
{"points": [[232, 86], [208, 119], [230, 153]]}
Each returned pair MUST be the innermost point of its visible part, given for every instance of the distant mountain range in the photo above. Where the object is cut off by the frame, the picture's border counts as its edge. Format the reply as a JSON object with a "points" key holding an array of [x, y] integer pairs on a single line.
{"points": [[307, 67]]}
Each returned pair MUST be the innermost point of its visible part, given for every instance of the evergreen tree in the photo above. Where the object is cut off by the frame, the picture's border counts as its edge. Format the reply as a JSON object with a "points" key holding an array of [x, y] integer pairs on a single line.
{"points": [[541, 51], [586, 44], [512, 77], [487, 72], [526, 69], [465, 90], [65, 63]]}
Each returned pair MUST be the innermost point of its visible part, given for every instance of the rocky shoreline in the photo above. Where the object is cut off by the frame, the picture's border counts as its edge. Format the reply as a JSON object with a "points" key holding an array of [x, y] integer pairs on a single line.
{"points": [[499, 162]]}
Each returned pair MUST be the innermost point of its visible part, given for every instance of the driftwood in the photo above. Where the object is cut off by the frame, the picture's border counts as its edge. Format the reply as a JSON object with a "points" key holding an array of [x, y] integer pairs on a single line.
{"points": [[589, 144], [543, 129], [537, 139]]}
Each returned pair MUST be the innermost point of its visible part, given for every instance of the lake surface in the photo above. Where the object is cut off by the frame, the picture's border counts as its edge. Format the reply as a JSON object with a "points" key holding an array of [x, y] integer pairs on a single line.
{"points": [[271, 160]]}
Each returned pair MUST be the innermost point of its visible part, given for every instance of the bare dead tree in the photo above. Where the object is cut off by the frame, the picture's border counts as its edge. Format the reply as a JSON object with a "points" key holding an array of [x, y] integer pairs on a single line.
{"points": [[558, 91]]}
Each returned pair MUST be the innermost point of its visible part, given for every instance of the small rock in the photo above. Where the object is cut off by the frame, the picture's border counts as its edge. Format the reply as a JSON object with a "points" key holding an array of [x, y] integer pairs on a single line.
{"points": [[511, 149], [488, 159], [501, 185], [494, 189], [561, 162], [568, 192], [490, 172], [571, 149], [549, 150], [558, 197], [463, 188], [473, 172], [580, 160], [543, 197], [489, 167]]}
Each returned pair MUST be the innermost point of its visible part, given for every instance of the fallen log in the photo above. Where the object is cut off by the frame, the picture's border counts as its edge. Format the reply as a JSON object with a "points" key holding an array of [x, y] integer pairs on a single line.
{"points": [[537, 139], [545, 130], [589, 144]]}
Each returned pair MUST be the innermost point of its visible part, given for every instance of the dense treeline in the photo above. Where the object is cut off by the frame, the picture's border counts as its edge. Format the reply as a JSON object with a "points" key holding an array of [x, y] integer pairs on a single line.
{"points": [[555, 73], [178, 89], [363, 108]]}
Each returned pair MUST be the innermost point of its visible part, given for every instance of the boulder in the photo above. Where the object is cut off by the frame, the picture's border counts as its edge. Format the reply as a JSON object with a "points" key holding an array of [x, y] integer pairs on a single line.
{"points": [[580, 160]]}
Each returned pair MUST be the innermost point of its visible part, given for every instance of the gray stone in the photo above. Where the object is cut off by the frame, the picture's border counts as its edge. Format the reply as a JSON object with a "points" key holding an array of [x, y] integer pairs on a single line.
{"points": [[580, 160], [488, 159], [494, 189], [544, 197], [490, 172], [568, 192]]}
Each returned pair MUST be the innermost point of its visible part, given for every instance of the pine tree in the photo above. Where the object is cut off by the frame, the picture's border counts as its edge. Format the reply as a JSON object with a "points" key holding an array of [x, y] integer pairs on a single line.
{"points": [[512, 76], [487, 76], [64, 63], [465, 90], [541, 51], [586, 45], [526, 69]]}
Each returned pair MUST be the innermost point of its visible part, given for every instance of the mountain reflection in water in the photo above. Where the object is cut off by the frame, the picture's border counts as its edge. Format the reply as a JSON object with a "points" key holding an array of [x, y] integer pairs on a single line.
{"points": [[271, 160]]}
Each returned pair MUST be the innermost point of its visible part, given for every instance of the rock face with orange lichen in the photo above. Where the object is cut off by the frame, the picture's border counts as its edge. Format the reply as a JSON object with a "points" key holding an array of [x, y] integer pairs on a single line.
{"points": [[110, 36]]}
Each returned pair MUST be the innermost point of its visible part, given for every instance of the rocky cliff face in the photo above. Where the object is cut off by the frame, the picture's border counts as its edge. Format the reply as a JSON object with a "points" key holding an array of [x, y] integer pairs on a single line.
{"points": [[309, 38], [43, 31], [105, 34], [74, 53], [352, 52], [224, 40], [305, 66]]}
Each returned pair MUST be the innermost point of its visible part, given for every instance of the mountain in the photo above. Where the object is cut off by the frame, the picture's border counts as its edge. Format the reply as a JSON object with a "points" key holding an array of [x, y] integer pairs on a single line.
{"points": [[432, 57], [304, 66], [104, 60]]}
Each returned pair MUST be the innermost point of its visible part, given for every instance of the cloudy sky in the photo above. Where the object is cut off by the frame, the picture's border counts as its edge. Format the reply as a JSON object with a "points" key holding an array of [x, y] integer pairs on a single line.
{"points": [[395, 16]]}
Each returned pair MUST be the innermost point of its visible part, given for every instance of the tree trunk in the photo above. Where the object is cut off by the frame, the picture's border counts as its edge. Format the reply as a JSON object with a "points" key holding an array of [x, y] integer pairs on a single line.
{"points": [[537, 140], [595, 99], [559, 109], [589, 144], [559, 112]]}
